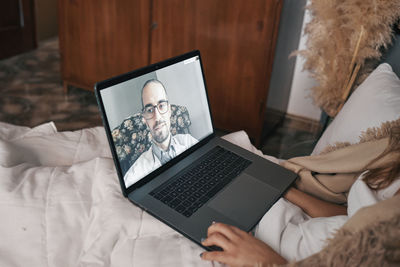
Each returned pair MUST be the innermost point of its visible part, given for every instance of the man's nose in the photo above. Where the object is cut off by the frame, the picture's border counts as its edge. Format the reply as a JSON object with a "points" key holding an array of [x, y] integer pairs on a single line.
{"points": [[157, 114]]}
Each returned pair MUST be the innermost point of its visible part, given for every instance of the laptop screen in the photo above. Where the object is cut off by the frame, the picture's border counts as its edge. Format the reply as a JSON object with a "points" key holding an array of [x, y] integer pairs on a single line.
{"points": [[155, 116]]}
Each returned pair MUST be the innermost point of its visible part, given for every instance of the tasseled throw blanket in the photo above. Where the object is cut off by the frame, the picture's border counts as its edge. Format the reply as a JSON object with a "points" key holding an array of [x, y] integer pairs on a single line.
{"points": [[330, 176]]}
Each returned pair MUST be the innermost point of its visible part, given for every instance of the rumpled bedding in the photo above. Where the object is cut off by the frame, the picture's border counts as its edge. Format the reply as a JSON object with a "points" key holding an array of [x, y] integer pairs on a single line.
{"points": [[61, 205]]}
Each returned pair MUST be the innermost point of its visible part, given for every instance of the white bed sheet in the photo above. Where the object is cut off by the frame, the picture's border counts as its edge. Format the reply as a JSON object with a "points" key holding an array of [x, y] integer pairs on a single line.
{"points": [[61, 205]]}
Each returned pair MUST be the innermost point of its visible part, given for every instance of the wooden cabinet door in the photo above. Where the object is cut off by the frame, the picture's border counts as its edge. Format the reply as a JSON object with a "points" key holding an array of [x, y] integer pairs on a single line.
{"points": [[236, 39], [102, 38], [17, 27]]}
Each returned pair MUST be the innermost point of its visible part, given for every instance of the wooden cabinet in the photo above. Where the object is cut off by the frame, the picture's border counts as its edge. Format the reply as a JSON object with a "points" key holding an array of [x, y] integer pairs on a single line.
{"points": [[17, 27], [99, 39], [102, 38]]}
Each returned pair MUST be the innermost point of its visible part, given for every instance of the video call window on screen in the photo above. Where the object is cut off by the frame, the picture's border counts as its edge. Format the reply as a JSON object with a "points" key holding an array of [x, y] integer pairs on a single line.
{"points": [[156, 116]]}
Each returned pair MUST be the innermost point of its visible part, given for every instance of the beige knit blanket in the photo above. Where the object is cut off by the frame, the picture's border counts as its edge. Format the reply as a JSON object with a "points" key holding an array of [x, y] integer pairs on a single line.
{"points": [[330, 176]]}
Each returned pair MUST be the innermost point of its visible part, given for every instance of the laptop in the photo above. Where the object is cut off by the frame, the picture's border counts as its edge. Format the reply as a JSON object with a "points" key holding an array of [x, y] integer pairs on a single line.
{"points": [[185, 179]]}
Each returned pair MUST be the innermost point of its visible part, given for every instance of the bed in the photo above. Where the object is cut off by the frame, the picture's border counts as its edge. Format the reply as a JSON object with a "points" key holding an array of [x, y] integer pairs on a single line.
{"points": [[61, 204]]}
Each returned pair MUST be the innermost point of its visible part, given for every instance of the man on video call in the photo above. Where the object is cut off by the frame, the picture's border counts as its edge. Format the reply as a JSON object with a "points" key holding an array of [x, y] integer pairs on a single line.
{"points": [[157, 113]]}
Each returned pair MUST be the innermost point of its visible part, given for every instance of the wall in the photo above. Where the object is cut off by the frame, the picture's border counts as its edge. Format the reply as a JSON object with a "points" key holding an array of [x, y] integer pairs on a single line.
{"points": [[300, 102], [289, 86], [288, 40], [185, 86], [123, 100], [46, 19], [392, 56]]}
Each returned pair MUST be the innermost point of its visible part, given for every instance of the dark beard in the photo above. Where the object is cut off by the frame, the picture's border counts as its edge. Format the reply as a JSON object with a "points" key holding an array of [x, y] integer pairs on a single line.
{"points": [[162, 136]]}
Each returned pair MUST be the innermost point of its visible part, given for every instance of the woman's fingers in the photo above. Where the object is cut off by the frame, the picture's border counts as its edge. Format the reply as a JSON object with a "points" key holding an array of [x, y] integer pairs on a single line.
{"points": [[230, 232], [239, 248], [217, 239]]}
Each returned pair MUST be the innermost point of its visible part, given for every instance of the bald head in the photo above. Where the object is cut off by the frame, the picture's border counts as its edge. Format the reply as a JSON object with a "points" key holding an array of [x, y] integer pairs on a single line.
{"points": [[152, 82]]}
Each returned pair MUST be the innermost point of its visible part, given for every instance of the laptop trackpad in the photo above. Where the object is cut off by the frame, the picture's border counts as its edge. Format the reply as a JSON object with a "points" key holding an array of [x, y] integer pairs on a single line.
{"points": [[244, 200]]}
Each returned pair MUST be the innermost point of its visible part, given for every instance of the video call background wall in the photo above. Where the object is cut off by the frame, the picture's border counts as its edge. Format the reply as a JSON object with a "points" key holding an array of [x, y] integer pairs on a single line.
{"points": [[184, 85]]}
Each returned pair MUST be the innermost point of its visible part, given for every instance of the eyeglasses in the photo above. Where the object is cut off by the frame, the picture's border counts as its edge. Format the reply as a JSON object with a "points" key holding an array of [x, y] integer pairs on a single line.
{"points": [[149, 110]]}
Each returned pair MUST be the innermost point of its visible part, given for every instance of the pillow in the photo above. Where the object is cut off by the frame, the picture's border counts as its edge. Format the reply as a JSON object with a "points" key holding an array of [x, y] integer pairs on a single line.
{"points": [[375, 101]]}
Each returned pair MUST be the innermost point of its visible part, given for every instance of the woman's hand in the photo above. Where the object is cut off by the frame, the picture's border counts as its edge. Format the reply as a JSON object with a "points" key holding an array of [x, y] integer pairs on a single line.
{"points": [[239, 248]]}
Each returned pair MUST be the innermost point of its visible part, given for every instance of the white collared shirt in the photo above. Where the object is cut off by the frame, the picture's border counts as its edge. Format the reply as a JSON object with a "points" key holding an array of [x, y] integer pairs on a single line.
{"points": [[148, 161], [165, 156]]}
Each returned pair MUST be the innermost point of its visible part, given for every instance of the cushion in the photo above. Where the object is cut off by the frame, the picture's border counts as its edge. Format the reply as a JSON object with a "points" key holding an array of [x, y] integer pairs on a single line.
{"points": [[375, 101]]}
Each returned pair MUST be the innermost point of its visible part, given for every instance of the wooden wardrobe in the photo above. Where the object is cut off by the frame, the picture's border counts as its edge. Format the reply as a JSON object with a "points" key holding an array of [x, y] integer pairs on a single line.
{"points": [[236, 38]]}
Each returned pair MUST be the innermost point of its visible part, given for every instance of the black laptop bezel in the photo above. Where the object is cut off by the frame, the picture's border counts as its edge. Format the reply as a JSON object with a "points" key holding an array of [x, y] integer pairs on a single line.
{"points": [[134, 74]]}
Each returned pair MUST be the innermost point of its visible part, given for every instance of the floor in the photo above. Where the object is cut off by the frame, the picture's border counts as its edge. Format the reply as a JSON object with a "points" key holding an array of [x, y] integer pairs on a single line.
{"points": [[32, 93]]}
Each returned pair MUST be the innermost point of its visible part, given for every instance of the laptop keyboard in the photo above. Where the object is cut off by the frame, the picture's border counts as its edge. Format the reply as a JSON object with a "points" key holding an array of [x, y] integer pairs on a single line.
{"points": [[194, 186]]}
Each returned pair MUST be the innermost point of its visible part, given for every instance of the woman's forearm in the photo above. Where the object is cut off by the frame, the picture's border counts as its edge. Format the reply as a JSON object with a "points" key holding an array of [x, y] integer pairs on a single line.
{"points": [[313, 206]]}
